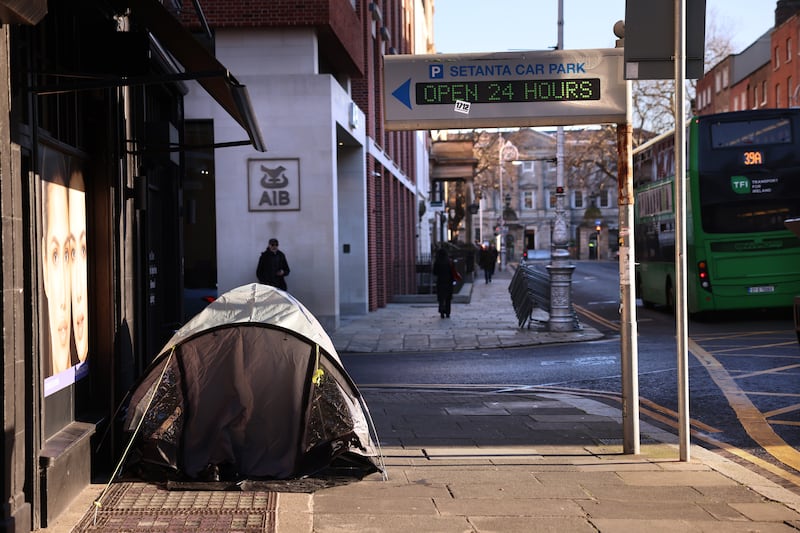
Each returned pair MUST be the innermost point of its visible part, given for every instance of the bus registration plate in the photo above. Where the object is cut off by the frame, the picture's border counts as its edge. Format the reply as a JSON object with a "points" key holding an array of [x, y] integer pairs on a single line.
{"points": [[760, 289]]}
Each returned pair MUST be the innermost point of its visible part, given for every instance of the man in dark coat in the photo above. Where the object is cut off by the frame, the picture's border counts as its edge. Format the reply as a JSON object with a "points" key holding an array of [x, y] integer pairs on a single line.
{"points": [[443, 270], [272, 266], [487, 261]]}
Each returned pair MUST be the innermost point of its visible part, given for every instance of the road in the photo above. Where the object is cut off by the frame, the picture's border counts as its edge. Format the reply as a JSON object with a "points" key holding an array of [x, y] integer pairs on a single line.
{"points": [[743, 372]]}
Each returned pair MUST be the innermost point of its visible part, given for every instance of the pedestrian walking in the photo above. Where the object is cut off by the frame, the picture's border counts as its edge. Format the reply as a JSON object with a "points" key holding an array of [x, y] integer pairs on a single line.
{"points": [[445, 274], [488, 260], [272, 266]]}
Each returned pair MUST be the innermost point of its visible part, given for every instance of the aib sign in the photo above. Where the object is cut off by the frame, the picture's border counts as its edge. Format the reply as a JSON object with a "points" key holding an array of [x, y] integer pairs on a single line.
{"points": [[273, 184]]}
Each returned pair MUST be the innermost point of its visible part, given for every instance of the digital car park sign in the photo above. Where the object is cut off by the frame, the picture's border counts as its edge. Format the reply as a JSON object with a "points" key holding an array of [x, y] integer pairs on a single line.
{"points": [[537, 88]]}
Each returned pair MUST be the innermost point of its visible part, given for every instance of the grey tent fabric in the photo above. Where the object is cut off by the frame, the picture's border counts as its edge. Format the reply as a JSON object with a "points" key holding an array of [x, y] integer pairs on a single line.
{"points": [[253, 387]]}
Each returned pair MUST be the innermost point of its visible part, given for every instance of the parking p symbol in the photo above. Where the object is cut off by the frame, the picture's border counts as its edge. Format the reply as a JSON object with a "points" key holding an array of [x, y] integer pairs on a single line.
{"points": [[436, 71]]}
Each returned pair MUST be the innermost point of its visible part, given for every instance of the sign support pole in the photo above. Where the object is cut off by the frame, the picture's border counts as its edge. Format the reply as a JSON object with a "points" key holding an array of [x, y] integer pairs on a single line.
{"points": [[680, 230], [629, 349]]}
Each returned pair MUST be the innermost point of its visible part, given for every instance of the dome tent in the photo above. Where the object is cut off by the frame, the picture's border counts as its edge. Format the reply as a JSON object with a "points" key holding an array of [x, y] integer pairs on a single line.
{"points": [[251, 387]]}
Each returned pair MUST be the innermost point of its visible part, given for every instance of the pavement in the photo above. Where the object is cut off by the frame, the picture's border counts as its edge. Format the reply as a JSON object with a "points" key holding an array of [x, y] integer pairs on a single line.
{"points": [[474, 459]]}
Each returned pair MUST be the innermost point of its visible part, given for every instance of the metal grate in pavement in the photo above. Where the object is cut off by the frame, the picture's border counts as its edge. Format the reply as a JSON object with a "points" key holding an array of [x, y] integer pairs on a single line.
{"points": [[139, 507]]}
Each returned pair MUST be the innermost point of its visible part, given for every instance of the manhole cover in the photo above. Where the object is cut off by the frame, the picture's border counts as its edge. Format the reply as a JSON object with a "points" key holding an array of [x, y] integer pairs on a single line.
{"points": [[134, 507]]}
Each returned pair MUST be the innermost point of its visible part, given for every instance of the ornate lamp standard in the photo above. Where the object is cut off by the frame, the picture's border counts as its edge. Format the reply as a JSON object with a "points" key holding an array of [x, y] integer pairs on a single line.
{"points": [[505, 148], [561, 314]]}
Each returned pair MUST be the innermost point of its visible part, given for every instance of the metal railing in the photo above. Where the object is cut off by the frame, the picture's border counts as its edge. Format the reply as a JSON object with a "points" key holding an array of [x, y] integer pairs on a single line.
{"points": [[530, 289]]}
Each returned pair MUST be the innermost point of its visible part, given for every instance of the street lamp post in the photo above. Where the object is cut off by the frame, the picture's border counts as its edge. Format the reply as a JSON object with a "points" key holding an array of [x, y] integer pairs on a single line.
{"points": [[561, 314], [503, 144]]}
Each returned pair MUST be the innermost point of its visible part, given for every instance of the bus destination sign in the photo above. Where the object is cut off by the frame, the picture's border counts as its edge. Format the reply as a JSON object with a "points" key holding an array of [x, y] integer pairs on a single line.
{"points": [[537, 88]]}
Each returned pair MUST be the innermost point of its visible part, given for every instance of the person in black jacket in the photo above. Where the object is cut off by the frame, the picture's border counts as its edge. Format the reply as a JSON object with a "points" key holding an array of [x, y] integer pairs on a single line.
{"points": [[443, 270], [272, 266], [487, 261]]}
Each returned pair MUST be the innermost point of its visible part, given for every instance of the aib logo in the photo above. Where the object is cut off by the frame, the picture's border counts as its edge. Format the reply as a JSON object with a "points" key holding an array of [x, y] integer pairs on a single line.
{"points": [[436, 71], [273, 179], [740, 184]]}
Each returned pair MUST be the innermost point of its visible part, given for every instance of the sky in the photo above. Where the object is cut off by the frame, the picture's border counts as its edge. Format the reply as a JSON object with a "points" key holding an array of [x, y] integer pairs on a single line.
{"points": [[462, 26]]}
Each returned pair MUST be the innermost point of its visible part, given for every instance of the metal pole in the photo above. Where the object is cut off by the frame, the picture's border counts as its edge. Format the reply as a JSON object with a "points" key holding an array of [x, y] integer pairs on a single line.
{"points": [[562, 316], [680, 229], [560, 226], [500, 141], [629, 350], [480, 218]]}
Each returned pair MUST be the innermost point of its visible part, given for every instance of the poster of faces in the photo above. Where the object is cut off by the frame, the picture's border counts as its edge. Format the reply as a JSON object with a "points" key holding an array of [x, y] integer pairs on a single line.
{"points": [[64, 270]]}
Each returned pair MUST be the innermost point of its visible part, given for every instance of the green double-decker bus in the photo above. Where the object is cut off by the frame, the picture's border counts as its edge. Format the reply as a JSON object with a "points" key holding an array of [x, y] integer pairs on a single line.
{"points": [[743, 182]]}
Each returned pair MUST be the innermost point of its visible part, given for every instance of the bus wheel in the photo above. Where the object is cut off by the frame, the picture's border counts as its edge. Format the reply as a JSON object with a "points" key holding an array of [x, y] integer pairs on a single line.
{"points": [[669, 296]]}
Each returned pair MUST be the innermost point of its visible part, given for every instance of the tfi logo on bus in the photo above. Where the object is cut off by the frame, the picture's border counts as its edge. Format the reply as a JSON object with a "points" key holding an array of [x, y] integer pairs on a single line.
{"points": [[740, 184]]}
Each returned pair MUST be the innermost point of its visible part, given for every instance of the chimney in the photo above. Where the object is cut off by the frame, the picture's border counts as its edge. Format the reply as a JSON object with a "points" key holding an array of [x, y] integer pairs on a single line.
{"points": [[785, 10]]}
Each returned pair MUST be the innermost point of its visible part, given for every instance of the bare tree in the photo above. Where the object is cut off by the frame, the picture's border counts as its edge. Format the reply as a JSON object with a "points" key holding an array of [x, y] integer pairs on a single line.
{"points": [[654, 100]]}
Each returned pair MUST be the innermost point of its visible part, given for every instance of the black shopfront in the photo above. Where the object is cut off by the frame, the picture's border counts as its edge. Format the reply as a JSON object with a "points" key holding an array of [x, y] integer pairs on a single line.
{"points": [[91, 167]]}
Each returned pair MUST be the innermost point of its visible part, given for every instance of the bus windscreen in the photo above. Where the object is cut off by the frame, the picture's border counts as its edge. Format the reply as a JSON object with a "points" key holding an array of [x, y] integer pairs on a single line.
{"points": [[732, 134]]}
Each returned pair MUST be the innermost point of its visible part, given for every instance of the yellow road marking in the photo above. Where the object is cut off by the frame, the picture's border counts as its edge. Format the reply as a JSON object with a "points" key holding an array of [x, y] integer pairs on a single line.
{"points": [[779, 394], [787, 409], [595, 317], [752, 420], [770, 345], [720, 336], [769, 467], [766, 371]]}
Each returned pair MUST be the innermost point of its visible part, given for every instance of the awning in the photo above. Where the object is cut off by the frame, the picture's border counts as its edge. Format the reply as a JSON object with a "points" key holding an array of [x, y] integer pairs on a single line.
{"points": [[22, 11], [196, 59]]}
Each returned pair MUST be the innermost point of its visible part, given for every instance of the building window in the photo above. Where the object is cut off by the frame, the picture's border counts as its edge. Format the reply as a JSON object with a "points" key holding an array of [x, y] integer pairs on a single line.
{"points": [[724, 77], [764, 92], [777, 95], [789, 92], [717, 81], [551, 204], [788, 49], [777, 59], [577, 199], [603, 199], [437, 192], [527, 166], [527, 199]]}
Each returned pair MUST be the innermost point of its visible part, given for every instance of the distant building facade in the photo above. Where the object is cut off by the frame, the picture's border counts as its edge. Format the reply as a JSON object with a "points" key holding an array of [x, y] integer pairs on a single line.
{"points": [[763, 75]]}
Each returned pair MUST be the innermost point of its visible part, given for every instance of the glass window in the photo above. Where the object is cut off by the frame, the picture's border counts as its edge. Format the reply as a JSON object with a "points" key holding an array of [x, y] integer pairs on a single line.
{"points": [[603, 198], [728, 134], [552, 202], [788, 49], [527, 199], [577, 199]]}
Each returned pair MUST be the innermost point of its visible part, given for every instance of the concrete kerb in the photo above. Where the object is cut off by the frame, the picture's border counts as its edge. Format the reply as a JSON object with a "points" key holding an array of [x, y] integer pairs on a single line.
{"points": [[715, 461]]}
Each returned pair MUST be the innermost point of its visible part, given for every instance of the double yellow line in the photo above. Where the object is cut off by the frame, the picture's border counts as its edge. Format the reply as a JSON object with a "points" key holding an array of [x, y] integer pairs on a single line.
{"points": [[753, 421]]}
